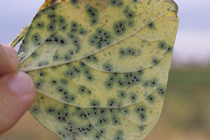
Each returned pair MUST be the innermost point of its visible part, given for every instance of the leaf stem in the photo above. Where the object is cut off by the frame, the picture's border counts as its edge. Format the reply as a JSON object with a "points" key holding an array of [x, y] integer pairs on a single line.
{"points": [[19, 37]]}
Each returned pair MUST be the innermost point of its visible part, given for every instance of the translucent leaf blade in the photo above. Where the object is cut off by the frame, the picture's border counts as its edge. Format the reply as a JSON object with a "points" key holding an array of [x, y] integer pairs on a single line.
{"points": [[100, 67]]}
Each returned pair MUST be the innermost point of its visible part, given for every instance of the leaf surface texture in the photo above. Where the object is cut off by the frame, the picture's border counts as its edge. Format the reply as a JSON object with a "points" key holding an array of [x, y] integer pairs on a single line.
{"points": [[100, 66]]}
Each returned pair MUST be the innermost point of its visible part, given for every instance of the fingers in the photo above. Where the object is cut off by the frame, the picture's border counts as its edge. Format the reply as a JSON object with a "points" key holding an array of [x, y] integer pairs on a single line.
{"points": [[9, 60], [17, 92]]}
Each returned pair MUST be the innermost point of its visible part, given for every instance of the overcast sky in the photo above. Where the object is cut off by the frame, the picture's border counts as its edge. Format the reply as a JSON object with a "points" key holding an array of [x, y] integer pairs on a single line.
{"points": [[193, 38]]}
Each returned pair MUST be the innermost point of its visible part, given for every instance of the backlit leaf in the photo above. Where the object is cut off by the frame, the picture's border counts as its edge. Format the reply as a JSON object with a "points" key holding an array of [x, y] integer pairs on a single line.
{"points": [[100, 66]]}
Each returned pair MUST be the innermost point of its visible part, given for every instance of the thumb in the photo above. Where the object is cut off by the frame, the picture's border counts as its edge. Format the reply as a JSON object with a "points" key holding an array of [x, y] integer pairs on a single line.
{"points": [[17, 92]]}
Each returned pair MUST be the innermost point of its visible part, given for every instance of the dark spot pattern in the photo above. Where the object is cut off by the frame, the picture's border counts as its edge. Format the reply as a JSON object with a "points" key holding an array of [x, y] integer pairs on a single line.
{"points": [[92, 98], [93, 15], [119, 28], [151, 25], [100, 39], [162, 45], [74, 2], [115, 2], [161, 90]]}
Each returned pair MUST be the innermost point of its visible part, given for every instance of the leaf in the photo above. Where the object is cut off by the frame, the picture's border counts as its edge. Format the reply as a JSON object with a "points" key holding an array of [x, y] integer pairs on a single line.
{"points": [[100, 67]]}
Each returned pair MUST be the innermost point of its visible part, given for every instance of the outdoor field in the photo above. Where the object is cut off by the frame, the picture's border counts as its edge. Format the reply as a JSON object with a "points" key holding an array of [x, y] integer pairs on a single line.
{"points": [[186, 111], [185, 115]]}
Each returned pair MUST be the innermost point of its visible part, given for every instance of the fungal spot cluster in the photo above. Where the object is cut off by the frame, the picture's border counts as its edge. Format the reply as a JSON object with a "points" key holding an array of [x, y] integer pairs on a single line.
{"points": [[123, 80], [37, 16], [126, 10], [93, 15], [52, 17], [75, 33], [161, 90], [133, 97], [151, 25], [152, 83], [122, 94], [92, 58], [85, 130], [54, 39], [115, 2], [40, 25], [119, 135], [39, 84], [141, 112], [145, 83], [103, 121], [170, 49], [162, 45], [108, 67], [35, 109], [135, 1], [42, 74], [100, 39], [63, 57], [51, 110], [126, 111], [72, 72], [130, 23], [112, 79], [155, 61], [129, 51], [34, 55], [36, 39], [66, 119], [74, 2], [88, 74], [119, 27], [84, 90], [42, 63], [57, 20], [131, 78], [66, 95], [100, 118], [95, 103], [76, 71], [112, 103], [141, 128], [115, 117], [131, 15], [151, 99], [120, 4]]}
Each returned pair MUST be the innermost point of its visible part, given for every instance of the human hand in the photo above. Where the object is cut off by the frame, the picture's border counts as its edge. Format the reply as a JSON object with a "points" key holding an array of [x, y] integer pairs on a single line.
{"points": [[17, 90]]}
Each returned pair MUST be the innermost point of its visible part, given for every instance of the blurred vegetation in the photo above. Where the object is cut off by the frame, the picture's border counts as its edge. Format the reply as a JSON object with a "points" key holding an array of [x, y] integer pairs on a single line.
{"points": [[186, 110], [185, 115]]}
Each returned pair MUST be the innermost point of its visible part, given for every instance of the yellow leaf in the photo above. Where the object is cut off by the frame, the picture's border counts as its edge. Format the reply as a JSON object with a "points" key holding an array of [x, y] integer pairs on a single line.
{"points": [[100, 66]]}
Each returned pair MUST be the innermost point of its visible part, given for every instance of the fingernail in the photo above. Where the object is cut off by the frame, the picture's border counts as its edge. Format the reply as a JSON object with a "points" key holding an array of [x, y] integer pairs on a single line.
{"points": [[10, 52], [20, 83]]}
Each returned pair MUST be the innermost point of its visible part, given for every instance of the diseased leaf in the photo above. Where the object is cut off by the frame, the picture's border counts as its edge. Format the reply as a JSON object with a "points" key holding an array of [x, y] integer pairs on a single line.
{"points": [[100, 66]]}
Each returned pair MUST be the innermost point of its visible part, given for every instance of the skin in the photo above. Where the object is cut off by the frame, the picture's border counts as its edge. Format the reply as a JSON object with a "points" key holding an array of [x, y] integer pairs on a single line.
{"points": [[17, 90]]}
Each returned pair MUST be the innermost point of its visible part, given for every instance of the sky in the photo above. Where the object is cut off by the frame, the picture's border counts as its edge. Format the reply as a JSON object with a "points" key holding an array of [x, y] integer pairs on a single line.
{"points": [[192, 42]]}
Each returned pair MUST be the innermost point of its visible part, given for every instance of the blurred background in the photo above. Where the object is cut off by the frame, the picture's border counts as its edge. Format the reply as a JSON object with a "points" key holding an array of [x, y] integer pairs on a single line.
{"points": [[186, 111]]}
